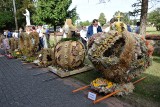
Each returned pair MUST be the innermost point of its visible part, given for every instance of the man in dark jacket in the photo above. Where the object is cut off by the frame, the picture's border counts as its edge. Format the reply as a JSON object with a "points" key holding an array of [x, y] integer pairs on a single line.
{"points": [[94, 28]]}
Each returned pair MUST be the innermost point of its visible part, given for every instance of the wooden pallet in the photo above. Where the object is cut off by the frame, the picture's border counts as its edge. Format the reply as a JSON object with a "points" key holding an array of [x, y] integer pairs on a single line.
{"points": [[62, 73]]}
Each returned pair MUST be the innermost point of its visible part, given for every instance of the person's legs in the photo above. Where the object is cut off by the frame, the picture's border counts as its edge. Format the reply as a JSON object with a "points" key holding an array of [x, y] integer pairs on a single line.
{"points": [[84, 42], [48, 38], [40, 44]]}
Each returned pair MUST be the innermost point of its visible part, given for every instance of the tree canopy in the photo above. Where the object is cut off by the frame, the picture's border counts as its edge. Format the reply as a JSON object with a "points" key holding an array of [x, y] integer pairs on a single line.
{"points": [[125, 17], [154, 17], [102, 19], [6, 12], [84, 23], [54, 12]]}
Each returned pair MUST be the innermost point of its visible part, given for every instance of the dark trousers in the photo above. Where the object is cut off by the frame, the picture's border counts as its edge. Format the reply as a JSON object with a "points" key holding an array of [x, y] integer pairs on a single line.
{"points": [[40, 43], [84, 42]]}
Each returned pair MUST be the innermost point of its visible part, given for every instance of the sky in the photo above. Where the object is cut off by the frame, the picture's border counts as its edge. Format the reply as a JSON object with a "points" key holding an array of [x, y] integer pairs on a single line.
{"points": [[91, 9]]}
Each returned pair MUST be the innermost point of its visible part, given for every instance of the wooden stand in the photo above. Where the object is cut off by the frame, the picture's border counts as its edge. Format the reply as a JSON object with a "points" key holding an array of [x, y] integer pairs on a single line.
{"points": [[62, 73]]}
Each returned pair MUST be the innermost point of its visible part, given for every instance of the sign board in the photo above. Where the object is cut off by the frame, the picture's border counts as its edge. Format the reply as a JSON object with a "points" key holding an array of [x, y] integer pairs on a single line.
{"points": [[92, 96]]}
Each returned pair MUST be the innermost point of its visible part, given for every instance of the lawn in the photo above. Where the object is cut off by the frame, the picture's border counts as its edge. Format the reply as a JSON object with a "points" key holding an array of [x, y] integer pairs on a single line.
{"points": [[152, 30]]}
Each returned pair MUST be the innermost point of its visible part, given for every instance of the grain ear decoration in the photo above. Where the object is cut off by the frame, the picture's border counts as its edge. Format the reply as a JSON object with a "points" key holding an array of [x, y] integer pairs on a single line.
{"points": [[69, 54], [16, 43], [118, 71], [35, 36], [1, 39], [28, 44], [11, 44], [21, 41], [120, 57], [47, 57]]}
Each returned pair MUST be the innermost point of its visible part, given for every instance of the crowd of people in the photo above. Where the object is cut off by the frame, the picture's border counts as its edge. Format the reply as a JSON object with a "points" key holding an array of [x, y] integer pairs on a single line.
{"points": [[44, 34], [94, 28]]}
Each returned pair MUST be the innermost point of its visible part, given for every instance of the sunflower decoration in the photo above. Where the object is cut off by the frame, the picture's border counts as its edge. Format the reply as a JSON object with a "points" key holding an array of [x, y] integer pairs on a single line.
{"points": [[16, 53], [103, 85]]}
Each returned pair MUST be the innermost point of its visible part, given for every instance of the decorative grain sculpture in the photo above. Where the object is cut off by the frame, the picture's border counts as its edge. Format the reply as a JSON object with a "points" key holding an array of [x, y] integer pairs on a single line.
{"points": [[46, 57], [22, 41], [69, 54], [35, 41], [120, 57], [11, 44]]}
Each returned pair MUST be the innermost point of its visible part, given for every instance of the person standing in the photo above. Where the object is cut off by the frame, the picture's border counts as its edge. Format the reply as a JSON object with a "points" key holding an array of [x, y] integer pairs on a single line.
{"points": [[94, 28], [137, 30], [129, 28], [83, 34], [9, 34]]}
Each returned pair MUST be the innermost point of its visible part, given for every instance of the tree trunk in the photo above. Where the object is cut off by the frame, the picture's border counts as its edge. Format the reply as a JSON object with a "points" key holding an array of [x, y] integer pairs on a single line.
{"points": [[143, 20]]}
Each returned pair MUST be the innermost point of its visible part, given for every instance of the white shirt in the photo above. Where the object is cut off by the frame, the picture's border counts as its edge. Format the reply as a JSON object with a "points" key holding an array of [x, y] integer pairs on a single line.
{"points": [[38, 30], [40, 34], [60, 30], [15, 35], [83, 34], [5, 33], [94, 29], [107, 29]]}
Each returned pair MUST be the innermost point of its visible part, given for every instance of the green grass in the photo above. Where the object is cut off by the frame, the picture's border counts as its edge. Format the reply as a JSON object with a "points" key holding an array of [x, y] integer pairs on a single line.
{"points": [[152, 30], [87, 77], [150, 87]]}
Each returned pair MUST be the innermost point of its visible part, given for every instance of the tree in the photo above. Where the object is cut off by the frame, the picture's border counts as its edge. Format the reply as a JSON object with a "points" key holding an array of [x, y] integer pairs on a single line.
{"points": [[54, 12], [6, 14], [141, 8], [6, 20], [85, 23], [154, 18], [21, 5], [102, 19], [143, 19], [126, 17]]}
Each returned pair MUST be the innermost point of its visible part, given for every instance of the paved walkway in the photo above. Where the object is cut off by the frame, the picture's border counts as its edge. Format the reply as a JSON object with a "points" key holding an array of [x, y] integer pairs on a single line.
{"points": [[21, 86]]}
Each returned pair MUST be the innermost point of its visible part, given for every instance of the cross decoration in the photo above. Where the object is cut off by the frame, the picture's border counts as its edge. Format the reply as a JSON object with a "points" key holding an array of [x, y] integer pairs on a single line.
{"points": [[119, 16]]}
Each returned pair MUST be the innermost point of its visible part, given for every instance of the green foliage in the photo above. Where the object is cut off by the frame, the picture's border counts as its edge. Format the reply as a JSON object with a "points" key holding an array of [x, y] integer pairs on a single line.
{"points": [[125, 17], [73, 15], [84, 23], [54, 12], [6, 19], [154, 17], [6, 12], [102, 19], [21, 5]]}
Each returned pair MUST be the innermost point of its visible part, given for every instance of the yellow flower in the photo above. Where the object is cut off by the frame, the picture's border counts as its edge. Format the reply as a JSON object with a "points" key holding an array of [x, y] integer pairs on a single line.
{"points": [[17, 53]]}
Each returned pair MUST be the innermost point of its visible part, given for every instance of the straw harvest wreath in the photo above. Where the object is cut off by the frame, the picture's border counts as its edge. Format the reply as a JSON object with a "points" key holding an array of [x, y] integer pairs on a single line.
{"points": [[69, 53], [120, 57]]}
